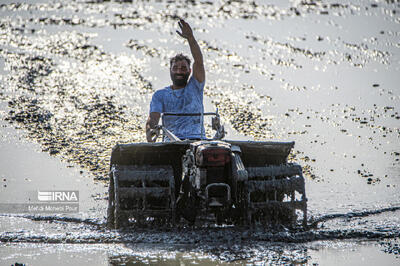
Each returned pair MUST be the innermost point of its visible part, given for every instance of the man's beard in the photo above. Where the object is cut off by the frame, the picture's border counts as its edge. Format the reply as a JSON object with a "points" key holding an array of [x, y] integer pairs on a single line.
{"points": [[180, 82]]}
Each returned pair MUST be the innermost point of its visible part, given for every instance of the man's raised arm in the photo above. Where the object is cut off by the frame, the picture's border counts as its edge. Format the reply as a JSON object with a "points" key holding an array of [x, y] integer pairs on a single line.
{"points": [[198, 65]]}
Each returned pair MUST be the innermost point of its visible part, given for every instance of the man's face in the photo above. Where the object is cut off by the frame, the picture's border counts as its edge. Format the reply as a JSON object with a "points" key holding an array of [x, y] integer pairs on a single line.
{"points": [[180, 71]]}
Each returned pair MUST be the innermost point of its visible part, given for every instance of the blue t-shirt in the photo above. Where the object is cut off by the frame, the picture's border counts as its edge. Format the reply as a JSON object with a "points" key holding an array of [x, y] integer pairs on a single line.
{"points": [[186, 100]]}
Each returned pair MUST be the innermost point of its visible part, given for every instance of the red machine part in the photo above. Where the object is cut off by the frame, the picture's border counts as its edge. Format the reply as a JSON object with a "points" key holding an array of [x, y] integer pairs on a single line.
{"points": [[216, 155]]}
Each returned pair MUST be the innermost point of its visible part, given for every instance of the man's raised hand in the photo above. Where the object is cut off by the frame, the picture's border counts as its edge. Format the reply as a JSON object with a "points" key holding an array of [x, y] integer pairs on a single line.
{"points": [[186, 30], [198, 66]]}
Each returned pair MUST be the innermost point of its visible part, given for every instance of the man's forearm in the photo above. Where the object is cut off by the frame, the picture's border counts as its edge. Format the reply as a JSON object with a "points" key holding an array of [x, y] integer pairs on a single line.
{"points": [[195, 50], [151, 123], [198, 66], [149, 127]]}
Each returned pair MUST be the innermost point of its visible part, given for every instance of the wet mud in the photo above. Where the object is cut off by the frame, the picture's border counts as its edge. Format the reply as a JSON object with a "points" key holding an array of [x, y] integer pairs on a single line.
{"points": [[219, 242], [73, 119], [78, 76], [51, 75]]}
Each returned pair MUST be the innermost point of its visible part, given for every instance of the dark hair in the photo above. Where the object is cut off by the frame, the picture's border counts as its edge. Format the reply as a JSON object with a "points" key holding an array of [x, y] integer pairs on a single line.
{"points": [[179, 57]]}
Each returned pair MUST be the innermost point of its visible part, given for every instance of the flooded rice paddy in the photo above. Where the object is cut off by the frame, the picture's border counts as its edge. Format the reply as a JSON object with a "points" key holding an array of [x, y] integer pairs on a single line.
{"points": [[77, 77]]}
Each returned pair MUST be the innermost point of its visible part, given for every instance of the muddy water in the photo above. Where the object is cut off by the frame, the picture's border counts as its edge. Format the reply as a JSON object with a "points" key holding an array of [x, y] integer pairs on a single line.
{"points": [[77, 78]]}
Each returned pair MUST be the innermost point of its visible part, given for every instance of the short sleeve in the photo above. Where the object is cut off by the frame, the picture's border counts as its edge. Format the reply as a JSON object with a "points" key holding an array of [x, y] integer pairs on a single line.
{"points": [[156, 103], [197, 84]]}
